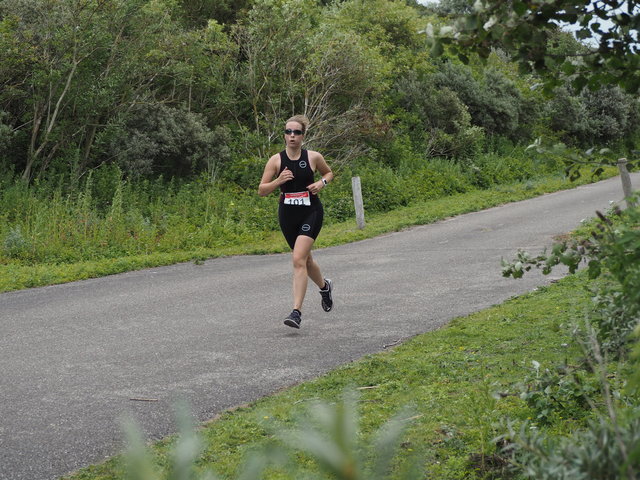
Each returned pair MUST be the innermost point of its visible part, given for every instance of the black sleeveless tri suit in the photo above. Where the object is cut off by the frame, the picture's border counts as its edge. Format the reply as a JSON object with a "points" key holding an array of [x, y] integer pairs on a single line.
{"points": [[300, 212]]}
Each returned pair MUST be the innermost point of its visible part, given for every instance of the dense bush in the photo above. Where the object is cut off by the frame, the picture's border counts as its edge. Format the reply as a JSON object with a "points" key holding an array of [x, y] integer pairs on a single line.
{"points": [[128, 218], [604, 450], [436, 119], [161, 140], [611, 114], [437, 178], [493, 100], [602, 117]]}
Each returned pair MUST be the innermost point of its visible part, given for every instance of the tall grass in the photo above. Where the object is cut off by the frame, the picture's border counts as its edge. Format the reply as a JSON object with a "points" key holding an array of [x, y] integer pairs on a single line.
{"points": [[106, 216], [110, 217]]}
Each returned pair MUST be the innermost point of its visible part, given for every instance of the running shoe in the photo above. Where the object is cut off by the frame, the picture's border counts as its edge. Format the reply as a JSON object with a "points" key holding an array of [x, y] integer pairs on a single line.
{"points": [[325, 293], [293, 320]]}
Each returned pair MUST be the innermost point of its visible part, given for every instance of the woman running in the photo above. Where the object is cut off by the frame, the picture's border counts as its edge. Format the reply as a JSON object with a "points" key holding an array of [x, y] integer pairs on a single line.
{"points": [[300, 212]]}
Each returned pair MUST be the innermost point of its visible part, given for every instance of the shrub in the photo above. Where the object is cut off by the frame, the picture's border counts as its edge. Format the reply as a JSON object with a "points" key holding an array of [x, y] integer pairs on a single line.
{"points": [[612, 250], [245, 172], [158, 139], [560, 392], [488, 170], [437, 178], [15, 244], [438, 122], [604, 450], [601, 117], [609, 448], [493, 100], [382, 189], [328, 434]]}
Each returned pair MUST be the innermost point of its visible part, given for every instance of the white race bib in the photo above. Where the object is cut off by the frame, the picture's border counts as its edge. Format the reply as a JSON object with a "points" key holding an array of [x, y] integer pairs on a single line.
{"points": [[298, 198]]}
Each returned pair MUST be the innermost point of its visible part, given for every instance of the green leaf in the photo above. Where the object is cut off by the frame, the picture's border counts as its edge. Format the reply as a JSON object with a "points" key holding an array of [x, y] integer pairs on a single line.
{"points": [[579, 83], [568, 68], [520, 8], [472, 22], [437, 49]]}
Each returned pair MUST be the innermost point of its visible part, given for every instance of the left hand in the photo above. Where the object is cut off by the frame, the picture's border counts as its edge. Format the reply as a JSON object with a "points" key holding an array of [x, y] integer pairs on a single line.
{"points": [[315, 187]]}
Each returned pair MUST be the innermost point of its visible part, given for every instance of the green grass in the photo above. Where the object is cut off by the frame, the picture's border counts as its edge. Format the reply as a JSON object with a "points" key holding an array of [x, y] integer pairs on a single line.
{"points": [[16, 275], [460, 381]]}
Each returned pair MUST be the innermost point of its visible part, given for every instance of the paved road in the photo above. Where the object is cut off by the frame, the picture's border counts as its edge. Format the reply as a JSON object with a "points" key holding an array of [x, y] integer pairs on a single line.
{"points": [[74, 356]]}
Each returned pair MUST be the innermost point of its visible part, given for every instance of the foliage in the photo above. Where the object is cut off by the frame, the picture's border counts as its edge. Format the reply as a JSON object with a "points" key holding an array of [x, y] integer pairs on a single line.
{"points": [[568, 116], [88, 83], [494, 101], [436, 119], [599, 451], [198, 13], [560, 392], [108, 215], [86, 64], [609, 31], [608, 447], [611, 114], [612, 251], [329, 75], [576, 161], [439, 178], [454, 7], [15, 244], [158, 139], [328, 434], [603, 117], [389, 26], [112, 217]]}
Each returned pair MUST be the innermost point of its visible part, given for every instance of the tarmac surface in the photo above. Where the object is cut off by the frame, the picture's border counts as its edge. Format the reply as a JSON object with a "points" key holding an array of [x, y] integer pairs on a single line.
{"points": [[78, 358]]}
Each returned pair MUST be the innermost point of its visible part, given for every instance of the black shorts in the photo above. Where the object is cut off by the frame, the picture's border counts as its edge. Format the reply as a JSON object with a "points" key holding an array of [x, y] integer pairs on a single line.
{"points": [[297, 220]]}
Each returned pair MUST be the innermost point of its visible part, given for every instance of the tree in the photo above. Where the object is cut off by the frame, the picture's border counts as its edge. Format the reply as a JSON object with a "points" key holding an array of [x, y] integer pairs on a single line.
{"points": [[494, 101], [197, 13], [68, 71], [436, 118], [158, 139], [607, 54], [296, 60], [526, 28], [74, 72]]}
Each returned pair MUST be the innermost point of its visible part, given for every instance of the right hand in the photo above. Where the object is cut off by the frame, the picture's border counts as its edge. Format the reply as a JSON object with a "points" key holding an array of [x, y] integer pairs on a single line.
{"points": [[285, 175]]}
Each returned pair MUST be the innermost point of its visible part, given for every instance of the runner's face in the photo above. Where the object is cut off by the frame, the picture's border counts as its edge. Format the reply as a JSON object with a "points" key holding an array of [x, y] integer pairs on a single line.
{"points": [[292, 139]]}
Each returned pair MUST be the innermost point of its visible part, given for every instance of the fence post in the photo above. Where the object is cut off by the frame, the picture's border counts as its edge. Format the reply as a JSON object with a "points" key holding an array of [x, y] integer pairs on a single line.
{"points": [[357, 201], [626, 182]]}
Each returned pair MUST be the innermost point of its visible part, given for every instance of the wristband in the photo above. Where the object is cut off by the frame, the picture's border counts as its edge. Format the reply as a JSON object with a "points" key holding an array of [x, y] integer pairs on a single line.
{"points": [[324, 182]]}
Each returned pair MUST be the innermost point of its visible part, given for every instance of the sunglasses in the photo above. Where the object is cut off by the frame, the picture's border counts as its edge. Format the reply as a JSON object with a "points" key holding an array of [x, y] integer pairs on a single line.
{"points": [[288, 131]]}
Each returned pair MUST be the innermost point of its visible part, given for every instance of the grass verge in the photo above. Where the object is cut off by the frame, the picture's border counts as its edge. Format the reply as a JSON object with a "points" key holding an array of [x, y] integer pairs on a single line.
{"points": [[460, 381], [16, 275]]}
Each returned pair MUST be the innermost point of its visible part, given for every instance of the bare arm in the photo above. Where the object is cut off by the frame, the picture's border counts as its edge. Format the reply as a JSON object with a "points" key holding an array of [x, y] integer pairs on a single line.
{"points": [[270, 178], [321, 167]]}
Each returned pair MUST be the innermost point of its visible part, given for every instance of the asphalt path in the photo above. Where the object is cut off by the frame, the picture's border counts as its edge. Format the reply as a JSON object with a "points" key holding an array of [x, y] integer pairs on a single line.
{"points": [[77, 358]]}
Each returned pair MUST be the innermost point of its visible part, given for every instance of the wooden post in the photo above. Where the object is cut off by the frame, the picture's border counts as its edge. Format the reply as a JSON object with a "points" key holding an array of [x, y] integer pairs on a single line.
{"points": [[626, 182], [357, 201]]}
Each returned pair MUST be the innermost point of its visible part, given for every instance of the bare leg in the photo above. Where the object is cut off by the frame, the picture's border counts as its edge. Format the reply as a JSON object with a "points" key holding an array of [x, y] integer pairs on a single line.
{"points": [[313, 271], [304, 267]]}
